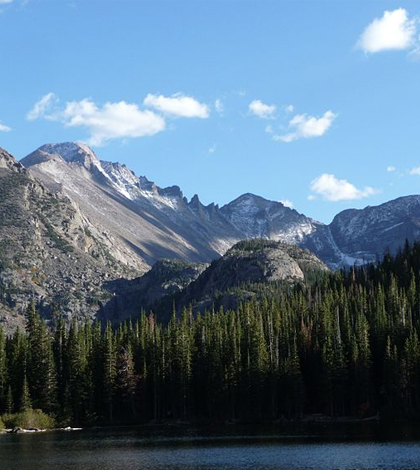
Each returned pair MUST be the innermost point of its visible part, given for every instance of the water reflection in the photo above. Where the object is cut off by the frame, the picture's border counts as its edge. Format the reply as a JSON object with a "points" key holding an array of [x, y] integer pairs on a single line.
{"points": [[155, 448]]}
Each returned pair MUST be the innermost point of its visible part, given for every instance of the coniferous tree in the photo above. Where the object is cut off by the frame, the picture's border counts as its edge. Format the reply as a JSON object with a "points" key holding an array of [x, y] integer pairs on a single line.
{"points": [[25, 402], [3, 370], [109, 370]]}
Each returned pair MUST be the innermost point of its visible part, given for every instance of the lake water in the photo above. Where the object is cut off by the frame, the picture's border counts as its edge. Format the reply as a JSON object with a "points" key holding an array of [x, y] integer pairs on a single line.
{"points": [[185, 448]]}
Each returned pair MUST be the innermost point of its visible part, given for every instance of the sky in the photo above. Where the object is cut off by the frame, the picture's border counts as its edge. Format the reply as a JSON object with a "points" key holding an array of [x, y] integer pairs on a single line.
{"points": [[313, 103]]}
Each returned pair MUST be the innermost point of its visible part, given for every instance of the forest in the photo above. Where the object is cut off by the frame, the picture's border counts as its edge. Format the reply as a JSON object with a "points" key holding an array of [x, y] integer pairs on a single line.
{"points": [[343, 345]]}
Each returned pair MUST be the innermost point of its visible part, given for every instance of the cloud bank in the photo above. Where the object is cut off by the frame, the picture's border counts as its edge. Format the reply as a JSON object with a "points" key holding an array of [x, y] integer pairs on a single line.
{"points": [[395, 30], [4, 128], [111, 121], [262, 110], [331, 188], [306, 127], [177, 105], [415, 171], [42, 107], [219, 106], [116, 120], [287, 203]]}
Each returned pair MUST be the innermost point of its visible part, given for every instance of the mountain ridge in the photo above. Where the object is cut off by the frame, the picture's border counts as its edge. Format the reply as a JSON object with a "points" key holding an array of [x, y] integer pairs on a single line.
{"points": [[84, 227], [206, 232], [355, 236], [48, 252]]}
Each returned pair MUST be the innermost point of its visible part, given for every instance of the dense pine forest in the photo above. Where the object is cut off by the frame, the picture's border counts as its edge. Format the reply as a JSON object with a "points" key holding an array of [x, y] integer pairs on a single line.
{"points": [[346, 344]]}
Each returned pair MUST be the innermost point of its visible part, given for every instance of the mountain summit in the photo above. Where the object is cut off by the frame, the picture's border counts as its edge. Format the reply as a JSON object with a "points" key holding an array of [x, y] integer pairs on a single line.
{"points": [[257, 217], [138, 222], [73, 227], [141, 222], [49, 250]]}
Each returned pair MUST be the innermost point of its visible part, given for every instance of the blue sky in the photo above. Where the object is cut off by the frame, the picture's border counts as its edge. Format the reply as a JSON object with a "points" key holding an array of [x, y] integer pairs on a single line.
{"points": [[314, 102]]}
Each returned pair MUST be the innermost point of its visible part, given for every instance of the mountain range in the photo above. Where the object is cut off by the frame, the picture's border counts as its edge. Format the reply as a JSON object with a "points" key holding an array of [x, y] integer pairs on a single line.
{"points": [[71, 224]]}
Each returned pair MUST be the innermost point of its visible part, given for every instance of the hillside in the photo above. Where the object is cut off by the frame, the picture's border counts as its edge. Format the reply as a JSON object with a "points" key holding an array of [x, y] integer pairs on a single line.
{"points": [[246, 271], [48, 250], [78, 232], [141, 222]]}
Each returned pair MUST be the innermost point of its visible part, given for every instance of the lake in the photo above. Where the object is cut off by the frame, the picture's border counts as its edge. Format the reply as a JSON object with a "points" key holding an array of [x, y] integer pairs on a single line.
{"points": [[320, 446]]}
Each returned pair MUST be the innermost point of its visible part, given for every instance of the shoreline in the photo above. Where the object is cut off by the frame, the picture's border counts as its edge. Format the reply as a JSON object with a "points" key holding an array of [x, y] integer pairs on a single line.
{"points": [[37, 430]]}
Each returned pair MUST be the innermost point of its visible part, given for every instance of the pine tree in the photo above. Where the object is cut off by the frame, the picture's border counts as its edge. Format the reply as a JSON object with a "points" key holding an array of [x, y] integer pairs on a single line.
{"points": [[109, 370], [9, 401], [25, 403], [3, 370]]}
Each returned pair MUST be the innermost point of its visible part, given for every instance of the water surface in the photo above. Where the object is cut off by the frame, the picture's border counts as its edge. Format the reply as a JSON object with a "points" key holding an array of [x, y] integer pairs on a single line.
{"points": [[313, 447]]}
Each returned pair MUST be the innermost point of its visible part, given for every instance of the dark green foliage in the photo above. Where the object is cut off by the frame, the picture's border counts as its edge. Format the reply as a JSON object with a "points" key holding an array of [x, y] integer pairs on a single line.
{"points": [[3, 368], [347, 345], [25, 398], [28, 419]]}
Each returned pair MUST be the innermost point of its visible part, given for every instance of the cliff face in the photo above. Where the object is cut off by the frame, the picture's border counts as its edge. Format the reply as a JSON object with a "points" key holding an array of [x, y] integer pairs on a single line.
{"points": [[137, 221], [47, 249], [235, 277], [75, 230], [365, 235]]}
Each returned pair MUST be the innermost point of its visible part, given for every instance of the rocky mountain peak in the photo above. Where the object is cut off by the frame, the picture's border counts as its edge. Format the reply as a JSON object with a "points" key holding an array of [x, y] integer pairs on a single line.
{"points": [[75, 154], [195, 200], [72, 152], [195, 204], [248, 263], [49, 251], [8, 162], [99, 219], [172, 192], [148, 214], [260, 218]]}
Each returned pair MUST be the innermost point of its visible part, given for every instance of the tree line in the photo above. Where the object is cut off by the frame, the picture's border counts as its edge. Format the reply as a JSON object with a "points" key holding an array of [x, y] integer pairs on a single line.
{"points": [[346, 345]]}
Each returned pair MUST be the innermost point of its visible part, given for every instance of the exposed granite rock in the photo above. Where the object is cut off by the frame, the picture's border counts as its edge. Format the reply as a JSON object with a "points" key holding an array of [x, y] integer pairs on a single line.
{"points": [[156, 288], [47, 250]]}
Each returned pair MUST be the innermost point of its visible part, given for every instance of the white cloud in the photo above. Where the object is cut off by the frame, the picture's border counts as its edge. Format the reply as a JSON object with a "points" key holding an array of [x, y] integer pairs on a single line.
{"points": [[334, 189], [111, 121], [262, 110], [305, 127], [219, 106], [4, 128], [212, 149], [390, 168], [4, 2], [269, 129], [287, 203], [178, 105], [393, 31], [415, 171], [289, 108], [43, 107]]}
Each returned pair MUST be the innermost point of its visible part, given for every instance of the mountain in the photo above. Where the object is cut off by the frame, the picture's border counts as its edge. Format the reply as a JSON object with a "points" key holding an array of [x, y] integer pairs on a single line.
{"points": [[239, 273], [255, 217], [77, 233], [246, 270], [80, 233], [359, 236], [140, 223], [48, 249], [154, 290]]}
